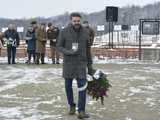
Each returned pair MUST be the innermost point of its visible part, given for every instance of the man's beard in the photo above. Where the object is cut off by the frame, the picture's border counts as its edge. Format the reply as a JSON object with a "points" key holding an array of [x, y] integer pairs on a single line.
{"points": [[76, 26]]}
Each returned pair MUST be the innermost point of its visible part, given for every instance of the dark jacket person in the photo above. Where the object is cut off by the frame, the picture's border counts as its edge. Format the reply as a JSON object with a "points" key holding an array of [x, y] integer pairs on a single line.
{"points": [[31, 43], [12, 38], [91, 40], [72, 43], [52, 34]]}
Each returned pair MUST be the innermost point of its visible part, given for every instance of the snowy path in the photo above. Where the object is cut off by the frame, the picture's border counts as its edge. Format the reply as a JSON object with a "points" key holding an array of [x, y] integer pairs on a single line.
{"points": [[37, 93]]}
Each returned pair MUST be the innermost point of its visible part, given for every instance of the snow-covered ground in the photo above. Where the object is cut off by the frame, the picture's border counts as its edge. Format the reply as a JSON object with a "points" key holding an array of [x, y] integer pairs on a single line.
{"points": [[31, 92], [96, 60]]}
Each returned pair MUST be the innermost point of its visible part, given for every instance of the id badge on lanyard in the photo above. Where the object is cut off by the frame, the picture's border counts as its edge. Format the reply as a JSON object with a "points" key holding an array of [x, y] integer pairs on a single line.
{"points": [[74, 46]]}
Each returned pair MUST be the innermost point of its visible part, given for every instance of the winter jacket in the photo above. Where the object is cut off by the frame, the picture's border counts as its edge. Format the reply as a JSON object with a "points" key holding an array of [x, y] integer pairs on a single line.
{"points": [[75, 63], [31, 40], [12, 38]]}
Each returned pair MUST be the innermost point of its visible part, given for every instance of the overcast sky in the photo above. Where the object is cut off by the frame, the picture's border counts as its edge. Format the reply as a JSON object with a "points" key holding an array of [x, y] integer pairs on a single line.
{"points": [[47, 8]]}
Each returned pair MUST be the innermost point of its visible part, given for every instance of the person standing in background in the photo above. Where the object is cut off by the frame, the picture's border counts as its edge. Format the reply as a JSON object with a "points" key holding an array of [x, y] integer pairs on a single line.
{"points": [[40, 43], [1, 41], [12, 38], [89, 53], [52, 34], [31, 44]]}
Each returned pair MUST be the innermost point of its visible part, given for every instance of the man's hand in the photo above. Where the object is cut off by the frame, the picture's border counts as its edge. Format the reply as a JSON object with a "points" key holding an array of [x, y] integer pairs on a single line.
{"points": [[72, 52]]}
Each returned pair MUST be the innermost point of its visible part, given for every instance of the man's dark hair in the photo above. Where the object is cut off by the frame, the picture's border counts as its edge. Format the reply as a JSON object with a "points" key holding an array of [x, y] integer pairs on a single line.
{"points": [[85, 22], [75, 14]]}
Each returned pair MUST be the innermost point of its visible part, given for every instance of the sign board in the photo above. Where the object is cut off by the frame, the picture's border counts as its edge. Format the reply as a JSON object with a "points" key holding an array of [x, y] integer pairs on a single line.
{"points": [[62, 27], [117, 28], [150, 27], [134, 27], [100, 28], [124, 35], [125, 27], [20, 29]]}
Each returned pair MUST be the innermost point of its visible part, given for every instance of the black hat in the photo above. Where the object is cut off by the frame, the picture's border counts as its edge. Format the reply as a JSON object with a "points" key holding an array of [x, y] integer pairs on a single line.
{"points": [[33, 22], [49, 24]]}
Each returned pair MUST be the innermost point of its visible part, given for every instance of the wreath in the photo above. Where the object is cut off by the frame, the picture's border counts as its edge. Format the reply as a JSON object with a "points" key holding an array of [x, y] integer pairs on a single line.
{"points": [[98, 85]]}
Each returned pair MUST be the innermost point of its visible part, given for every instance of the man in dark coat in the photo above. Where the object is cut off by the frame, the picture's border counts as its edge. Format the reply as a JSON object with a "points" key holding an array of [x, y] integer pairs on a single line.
{"points": [[91, 40], [31, 43], [12, 38], [52, 34], [73, 42]]}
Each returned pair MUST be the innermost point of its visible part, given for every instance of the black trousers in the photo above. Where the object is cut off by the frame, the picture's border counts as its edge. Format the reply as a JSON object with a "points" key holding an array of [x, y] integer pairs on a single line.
{"points": [[38, 57], [89, 61], [30, 54], [11, 51]]}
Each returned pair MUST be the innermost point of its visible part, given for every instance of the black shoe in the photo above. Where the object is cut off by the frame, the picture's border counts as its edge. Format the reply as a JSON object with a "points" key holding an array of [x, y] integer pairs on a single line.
{"points": [[53, 61], [37, 63], [72, 110], [82, 115], [28, 62], [57, 62]]}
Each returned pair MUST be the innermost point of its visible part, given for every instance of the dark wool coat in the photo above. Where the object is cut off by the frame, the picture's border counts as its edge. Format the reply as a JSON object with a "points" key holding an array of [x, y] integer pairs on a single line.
{"points": [[91, 40], [52, 34], [31, 43], [75, 63], [12, 34]]}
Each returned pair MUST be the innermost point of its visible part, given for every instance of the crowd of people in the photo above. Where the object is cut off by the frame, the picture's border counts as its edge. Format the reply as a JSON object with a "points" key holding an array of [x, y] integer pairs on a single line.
{"points": [[36, 39]]}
